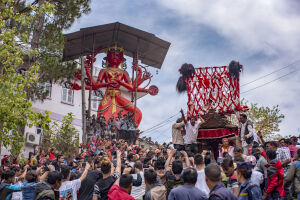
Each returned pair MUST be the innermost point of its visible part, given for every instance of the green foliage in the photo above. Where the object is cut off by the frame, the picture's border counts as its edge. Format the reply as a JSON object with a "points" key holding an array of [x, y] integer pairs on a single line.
{"points": [[264, 119], [16, 110], [63, 137], [47, 38]]}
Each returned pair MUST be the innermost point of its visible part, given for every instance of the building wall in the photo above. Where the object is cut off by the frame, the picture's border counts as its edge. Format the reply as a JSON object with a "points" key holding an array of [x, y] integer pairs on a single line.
{"points": [[59, 109]]}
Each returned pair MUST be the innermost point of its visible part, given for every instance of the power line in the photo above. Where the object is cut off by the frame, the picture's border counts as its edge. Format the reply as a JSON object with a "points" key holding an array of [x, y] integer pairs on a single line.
{"points": [[289, 65], [161, 123], [271, 81], [167, 121]]}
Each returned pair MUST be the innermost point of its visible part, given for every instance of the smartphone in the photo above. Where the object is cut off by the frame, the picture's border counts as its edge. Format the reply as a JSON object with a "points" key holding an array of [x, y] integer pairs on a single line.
{"points": [[83, 164]]}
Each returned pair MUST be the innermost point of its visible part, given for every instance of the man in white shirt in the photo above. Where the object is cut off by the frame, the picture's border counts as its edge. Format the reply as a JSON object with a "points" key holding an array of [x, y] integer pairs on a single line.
{"points": [[246, 133], [68, 189], [191, 128]]}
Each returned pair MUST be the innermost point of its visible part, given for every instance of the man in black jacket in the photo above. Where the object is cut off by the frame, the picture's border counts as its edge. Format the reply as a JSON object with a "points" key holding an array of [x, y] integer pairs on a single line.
{"points": [[49, 190]]}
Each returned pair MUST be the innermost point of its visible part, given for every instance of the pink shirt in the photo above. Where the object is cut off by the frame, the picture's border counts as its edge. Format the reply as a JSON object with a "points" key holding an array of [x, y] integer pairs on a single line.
{"points": [[293, 150]]}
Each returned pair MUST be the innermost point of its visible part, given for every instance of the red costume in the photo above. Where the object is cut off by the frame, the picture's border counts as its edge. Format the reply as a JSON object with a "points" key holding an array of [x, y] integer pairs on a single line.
{"points": [[112, 78]]}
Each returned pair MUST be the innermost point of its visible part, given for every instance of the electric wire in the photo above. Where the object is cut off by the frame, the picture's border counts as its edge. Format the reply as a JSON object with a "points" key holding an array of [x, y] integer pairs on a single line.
{"points": [[167, 121]]}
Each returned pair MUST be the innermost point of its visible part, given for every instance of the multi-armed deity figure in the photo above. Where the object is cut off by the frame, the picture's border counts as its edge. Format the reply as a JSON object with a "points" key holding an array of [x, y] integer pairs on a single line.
{"points": [[113, 77]]}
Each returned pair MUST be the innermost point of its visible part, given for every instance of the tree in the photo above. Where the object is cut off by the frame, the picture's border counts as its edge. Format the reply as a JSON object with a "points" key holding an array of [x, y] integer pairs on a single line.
{"points": [[47, 38], [16, 110], [63, 137], [264, 118]]}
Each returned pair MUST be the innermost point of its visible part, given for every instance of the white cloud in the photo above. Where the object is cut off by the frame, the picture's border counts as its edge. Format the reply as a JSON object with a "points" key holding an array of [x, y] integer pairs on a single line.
{"points": [[252, 25]]}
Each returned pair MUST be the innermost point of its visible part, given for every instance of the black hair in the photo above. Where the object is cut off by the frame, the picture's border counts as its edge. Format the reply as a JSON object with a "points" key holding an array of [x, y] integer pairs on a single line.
{"points": [[238, 150], [213, 172], [31, 177], [53, 177], [246, 173], [65, 171], [179, 120], [73, 176], [130, 156], [207, 159], [177, 167], [227, 163], [160, 164], [239, 159], [8, 174], [138, 165], [274, 143], [125, 180], [59, 156], [243, 115], [190, 175], [150, 176], [271, 154], [225, 154], [198, 159], [15, 168]]}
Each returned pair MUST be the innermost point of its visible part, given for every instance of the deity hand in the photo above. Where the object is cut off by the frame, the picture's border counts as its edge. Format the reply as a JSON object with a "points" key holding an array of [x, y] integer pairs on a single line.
{"points": [[153, 90], [114, 84], [146, 75]]}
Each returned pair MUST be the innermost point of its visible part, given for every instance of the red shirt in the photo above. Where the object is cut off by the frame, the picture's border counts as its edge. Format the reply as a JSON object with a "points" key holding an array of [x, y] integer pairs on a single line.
{"points": [[117, 193]]}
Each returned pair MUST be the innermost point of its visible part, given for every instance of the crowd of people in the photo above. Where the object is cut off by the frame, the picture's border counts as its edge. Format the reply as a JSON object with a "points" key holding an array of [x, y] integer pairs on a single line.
{"points": [[121, 127], [107, 168]]}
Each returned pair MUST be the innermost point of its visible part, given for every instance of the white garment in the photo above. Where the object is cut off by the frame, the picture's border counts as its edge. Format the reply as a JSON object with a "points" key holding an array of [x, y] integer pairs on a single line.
{"points": [[17, 195], [257, 177], [255, 138], [191, 132], [138, 192], [68, 188], [201, 183], [250, 134]]}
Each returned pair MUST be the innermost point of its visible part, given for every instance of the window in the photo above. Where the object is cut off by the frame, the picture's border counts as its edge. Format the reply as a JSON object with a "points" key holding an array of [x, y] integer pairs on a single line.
{"points": [[67, 95], [46, 88], [96, 99]]}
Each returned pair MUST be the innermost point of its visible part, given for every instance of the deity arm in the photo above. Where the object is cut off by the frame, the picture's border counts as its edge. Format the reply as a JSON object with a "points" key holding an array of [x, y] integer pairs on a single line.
{"points": [[101, 77], [131, 87], [138, 78]]}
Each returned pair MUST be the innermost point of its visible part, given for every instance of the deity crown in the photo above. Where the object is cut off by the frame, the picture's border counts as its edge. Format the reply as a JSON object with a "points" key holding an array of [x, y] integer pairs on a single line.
{"points": [[114, 48]]}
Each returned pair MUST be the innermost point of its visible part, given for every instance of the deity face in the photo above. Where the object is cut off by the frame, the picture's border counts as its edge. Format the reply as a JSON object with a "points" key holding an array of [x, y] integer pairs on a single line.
{"points": [[114, 58]]}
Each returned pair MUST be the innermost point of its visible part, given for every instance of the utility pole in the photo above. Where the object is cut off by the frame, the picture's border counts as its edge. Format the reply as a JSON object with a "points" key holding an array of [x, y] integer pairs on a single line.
{"points": [[83, 101]]}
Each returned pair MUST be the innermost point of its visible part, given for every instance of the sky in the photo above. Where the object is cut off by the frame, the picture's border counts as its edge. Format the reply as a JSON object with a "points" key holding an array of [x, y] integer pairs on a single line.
{"points": [[263, 36]]}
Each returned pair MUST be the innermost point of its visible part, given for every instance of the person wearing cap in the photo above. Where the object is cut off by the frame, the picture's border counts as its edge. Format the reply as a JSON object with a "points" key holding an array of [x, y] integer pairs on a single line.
{"points": [[248, 190], [226, 148]]}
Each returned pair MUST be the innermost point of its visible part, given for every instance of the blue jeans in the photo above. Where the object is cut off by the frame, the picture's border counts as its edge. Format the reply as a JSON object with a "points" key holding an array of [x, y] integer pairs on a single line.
{"points": [[298, 196]]}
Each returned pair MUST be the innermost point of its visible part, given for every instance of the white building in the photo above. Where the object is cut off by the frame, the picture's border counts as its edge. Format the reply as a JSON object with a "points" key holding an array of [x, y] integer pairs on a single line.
{"points": [[60, 102]]}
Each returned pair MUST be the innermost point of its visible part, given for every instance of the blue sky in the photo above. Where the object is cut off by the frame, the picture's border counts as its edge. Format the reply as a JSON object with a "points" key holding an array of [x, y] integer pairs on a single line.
{"points": [[262, 35]]}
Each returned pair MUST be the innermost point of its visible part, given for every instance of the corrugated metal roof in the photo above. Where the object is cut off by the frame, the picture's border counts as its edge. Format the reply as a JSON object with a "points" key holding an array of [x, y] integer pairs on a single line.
{"points": [[152, 50]]}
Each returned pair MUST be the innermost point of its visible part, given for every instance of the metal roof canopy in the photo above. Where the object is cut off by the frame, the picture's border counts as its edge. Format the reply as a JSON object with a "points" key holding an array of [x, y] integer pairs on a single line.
{"points": [[151, 49]]}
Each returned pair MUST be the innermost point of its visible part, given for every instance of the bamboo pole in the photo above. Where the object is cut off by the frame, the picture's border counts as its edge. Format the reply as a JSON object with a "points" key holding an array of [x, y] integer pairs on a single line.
{"points": [[83, 101]]}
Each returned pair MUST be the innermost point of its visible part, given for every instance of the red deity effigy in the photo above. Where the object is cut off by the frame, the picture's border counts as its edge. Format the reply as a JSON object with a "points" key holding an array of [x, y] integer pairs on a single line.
{"points": [[114, 77]]}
